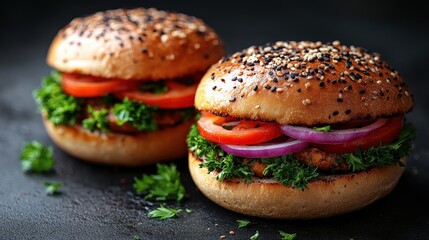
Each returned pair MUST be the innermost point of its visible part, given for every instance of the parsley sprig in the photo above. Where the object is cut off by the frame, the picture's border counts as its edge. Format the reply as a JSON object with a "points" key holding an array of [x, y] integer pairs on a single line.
{"points": [[36, 157], [287, 236], [289, 171], [162, 186], [136, 114], [60, 108], [243, 223], [164, 213], [98, 119], [52, 188]]}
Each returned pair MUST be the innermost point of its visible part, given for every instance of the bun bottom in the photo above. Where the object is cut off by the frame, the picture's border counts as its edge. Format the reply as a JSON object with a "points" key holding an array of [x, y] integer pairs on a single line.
{"points": [[267, 198], [121, 149]]}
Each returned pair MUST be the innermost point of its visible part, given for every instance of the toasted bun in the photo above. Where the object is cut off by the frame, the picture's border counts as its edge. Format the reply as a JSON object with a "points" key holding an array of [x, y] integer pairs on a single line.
{"points": [[121, 149], [269, 199], [303, 83], [142, 44]]}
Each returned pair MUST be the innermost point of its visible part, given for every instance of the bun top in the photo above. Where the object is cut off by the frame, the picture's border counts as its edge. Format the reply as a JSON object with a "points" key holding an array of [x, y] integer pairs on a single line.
{"points": [[304, 83], [141, 44]]}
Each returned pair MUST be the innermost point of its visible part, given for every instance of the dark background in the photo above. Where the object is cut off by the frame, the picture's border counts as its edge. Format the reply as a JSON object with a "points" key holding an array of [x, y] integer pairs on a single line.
{"points": [[98, 202]]}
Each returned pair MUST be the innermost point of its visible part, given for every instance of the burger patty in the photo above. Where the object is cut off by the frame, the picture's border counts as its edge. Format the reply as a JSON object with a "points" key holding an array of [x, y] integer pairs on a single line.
{"points": [[322, 160]]}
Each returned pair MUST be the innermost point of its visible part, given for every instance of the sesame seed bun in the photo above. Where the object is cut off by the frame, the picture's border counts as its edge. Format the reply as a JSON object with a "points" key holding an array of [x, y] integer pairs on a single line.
{"points": [[333, 195], [141, 44], [121, 149], [304, 83]]}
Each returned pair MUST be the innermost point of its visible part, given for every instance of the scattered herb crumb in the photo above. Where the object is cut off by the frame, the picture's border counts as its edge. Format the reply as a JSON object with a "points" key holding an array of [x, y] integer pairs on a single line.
{"points": [[164, 213], [36, 157], [136, 238], [188, 210], [52, 188], [165, 185], [287, 236], [243, 223], [255, 236]]}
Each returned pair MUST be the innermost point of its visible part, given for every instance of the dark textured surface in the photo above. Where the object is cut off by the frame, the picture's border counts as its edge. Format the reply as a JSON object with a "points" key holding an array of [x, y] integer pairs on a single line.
{"points": [[98, 202]]}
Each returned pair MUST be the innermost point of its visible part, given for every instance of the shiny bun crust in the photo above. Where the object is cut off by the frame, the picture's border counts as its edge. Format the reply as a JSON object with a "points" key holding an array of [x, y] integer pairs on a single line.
{"points": [[304, 83], [323, 198], [145, 44], [121, 149]]}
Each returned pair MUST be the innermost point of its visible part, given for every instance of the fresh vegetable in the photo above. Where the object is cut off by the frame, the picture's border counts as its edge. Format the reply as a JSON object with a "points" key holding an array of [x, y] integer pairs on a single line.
{"points": [[289, 171], [164, 213], [265, 150], [255, 236], [165, 185], [383, 135], [136, 114], [243, 133], [60, 108], [243, 223], [333, 136], [177, 96], [98, 119], [382, 155], [287, 236], [85, 86], [52, 188], [36, 157]]}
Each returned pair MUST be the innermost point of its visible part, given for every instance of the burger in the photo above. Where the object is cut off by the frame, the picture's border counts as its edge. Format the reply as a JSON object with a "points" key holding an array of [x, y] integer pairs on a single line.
{"points": [[300, 130], [124, 84]]}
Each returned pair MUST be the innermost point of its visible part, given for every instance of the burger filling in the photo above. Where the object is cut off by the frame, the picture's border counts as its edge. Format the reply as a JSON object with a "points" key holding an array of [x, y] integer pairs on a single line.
{"points": [[296, 155], [115, 105]]}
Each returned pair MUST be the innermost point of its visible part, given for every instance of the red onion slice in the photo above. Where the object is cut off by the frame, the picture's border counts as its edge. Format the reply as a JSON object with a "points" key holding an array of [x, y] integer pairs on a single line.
{"points": [[265, 150], [333, 137]]}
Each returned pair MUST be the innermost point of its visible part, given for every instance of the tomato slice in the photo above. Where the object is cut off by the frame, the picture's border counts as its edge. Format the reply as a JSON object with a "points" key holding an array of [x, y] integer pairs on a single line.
{"points": [[177, 96], [386, 134], [246, 132], [88, 86]]}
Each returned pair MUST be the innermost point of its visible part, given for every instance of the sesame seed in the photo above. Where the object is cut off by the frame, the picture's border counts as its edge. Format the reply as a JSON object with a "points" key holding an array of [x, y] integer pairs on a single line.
{"points": [[339, 100], [307, 85], [298, 90], [232, 99], [362, 91], [348, 111], [273, 89], [321, 84], [231, 232], [335, 113], [255, 88], [214, 87], [257, 106]]}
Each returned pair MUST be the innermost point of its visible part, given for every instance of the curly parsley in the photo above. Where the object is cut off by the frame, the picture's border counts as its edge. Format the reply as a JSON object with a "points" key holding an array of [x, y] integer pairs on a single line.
{"points": [[165, 185], [60, 108], [289, 171], [36, 157], [97, 120], [136, 114]]}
